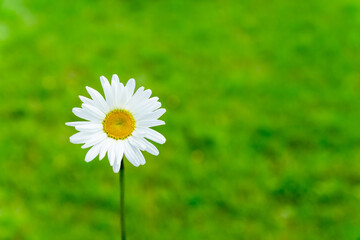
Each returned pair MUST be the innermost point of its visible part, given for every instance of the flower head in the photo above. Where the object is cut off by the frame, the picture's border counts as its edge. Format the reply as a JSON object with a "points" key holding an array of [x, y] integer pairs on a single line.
{"points": [[119, 124]]}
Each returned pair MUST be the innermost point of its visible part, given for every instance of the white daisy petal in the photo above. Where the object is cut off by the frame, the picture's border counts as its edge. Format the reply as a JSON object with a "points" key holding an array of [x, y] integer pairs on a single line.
{"points": [[154, 106], [86, 100], [107, 90], [98, 99], [114, 78], [130, 155], [93, 111], [89, 101], [127, 92], [137, 94], [120, 148], [81, 113], [119, 156], [122, 97], [104, 147], [150, 123], [158, 113], [96, 138], [80, 137], [118, 89], [139, 155], [111, 152], [134, 142], [151, 105], [151, 115], [139, 97], [155, 136], [146, 95], [115, 87], [130, 86], [146, 102], [79, 123], [143, 97], [121, 93], [89, 127], [149, 147], [117, 164], [92, 153]]}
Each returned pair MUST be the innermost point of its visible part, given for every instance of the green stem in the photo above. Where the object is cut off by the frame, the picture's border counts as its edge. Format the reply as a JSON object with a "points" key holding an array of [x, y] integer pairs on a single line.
{"points": [[122, 196]]}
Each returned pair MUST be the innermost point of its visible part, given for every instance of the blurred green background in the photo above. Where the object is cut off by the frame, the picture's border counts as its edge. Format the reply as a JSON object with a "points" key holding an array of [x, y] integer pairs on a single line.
{"points": [[262, 99]]}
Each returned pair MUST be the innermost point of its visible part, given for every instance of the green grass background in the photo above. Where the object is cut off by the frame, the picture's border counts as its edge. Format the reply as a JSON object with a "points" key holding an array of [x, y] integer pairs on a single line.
{"points": [[263, 113]]}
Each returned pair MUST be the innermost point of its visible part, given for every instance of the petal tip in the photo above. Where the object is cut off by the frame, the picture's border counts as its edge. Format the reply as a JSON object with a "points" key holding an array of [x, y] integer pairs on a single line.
{"points": [[115, 77], [103, 80]]}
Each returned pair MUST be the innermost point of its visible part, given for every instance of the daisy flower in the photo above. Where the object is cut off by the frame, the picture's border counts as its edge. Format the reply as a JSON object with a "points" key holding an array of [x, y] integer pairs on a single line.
{"points": [[119, 124]]}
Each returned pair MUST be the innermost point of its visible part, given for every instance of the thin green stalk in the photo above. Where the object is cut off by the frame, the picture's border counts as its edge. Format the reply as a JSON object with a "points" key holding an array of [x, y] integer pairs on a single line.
{"points": [[122, 201]]}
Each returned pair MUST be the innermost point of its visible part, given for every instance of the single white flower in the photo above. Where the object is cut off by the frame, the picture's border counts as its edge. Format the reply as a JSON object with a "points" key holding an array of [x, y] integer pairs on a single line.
{"points": [[119, 124]]}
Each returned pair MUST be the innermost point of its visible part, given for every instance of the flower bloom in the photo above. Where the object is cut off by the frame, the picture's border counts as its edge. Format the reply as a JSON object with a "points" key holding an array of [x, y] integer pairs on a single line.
{"points": [[119, 124]]}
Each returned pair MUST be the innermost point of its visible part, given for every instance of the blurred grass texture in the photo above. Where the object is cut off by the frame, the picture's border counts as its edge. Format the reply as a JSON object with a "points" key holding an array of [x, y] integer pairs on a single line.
{"points": [[262, 99]]}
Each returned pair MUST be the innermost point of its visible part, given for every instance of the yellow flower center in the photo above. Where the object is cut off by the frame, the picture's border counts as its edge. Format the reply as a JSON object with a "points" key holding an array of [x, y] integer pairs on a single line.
{"points": [[119, 124]]}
